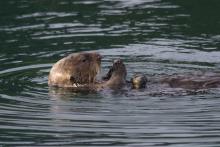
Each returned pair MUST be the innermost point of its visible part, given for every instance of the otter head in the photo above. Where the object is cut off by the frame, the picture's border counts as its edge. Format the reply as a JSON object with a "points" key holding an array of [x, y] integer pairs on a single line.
{"points": [[77, 68], [138, 81], [84, 67]]}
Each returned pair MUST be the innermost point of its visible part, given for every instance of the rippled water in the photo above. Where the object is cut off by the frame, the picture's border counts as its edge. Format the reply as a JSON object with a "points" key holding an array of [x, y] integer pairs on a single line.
{"points": [[154, 37]]}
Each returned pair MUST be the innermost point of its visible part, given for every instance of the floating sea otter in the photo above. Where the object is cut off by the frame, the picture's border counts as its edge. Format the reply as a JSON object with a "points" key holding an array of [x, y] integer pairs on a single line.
{"points": [[79, 70], [204, 81], [187, 82]]}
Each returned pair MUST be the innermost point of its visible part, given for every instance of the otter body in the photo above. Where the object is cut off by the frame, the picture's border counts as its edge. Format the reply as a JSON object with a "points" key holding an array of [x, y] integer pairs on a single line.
{"points": [[78, 71], [193, 81]]}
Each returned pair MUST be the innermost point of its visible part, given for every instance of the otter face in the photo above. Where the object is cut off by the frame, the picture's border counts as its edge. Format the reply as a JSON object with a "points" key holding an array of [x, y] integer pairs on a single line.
{"points": [[77, 68], [85, 67]]}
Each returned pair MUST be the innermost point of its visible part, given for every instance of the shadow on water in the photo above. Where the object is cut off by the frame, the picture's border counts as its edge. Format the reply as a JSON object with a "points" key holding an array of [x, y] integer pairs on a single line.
{"points": [[154, 37]]}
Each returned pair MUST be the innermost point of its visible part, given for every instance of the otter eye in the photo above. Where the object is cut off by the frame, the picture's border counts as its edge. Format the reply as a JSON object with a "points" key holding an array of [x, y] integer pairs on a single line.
{"points": [[83, 59]]}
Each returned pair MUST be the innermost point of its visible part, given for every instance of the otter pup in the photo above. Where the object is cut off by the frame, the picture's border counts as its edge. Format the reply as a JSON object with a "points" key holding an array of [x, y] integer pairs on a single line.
{"points": [[193, 82], [79, 70], [138, 81]]}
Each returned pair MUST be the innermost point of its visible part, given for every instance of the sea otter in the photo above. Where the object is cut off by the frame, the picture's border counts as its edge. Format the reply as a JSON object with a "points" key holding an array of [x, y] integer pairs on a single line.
{"points": [[188, 82], [138, 81], [76, 68], [79, 70], [204, 81]]}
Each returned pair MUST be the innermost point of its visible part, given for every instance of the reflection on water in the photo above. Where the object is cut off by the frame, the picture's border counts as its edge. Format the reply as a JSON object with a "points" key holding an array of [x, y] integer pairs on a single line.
{"points": [[154, 37]]}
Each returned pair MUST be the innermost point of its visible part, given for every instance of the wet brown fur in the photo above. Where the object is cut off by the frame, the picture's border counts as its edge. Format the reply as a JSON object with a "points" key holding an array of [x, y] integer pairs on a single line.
{"points": [[79, 71], [194, 82], [77, 68], [117, 77]]}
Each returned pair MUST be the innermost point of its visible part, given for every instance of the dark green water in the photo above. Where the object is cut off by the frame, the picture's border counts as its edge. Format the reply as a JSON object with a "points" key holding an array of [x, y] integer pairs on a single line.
{"points": [[154, 37]]}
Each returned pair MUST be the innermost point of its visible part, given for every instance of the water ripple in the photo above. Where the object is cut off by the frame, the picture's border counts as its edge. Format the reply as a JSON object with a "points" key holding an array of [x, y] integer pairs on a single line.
{"points": [[154, 37]]}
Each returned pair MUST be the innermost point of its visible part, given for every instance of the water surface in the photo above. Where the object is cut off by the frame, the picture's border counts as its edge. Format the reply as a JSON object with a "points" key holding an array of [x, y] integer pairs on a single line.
{"points": [[154, 37]]}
